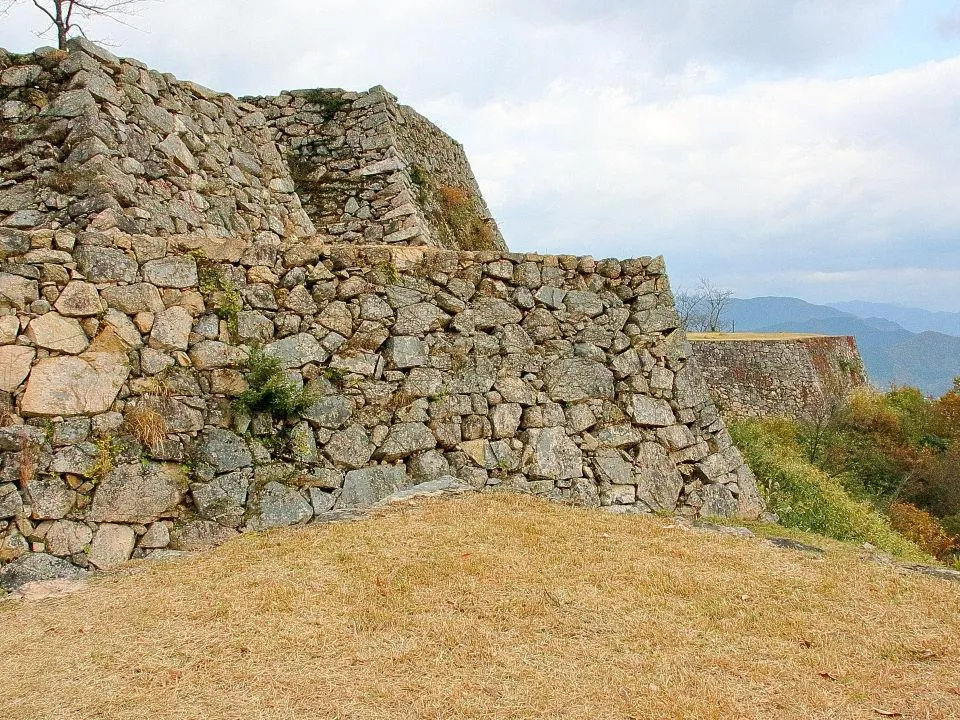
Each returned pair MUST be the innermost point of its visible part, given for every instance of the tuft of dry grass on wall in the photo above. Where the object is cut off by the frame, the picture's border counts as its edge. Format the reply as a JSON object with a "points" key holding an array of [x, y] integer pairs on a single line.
{"points": [[499, 607], [148, 425]]}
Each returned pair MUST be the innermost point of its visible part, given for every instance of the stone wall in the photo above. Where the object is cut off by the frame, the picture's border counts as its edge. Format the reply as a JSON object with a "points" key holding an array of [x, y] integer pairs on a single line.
{"points": [[800, 377], [371, 170], [90, 140], [123, 358], [183, 356]]}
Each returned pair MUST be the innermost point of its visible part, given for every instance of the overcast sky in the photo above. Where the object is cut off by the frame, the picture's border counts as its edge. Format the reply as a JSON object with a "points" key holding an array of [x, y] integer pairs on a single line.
{"points": [[782, 147]]}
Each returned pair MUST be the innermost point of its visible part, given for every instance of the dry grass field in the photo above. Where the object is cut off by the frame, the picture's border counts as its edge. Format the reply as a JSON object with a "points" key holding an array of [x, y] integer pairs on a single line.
{"points": [[490, 607]]}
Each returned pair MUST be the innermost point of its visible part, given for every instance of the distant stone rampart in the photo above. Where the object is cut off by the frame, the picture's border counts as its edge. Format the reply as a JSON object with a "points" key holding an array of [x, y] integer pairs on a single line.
{"points": [[803, 377]]}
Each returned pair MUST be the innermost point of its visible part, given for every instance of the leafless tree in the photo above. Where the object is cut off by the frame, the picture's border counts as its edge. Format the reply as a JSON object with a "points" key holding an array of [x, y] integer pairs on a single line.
{"points": [[702, 308], [66, 15]]}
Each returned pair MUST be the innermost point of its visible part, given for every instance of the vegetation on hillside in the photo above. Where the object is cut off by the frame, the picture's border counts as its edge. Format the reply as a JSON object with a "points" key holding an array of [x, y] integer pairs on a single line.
{"points": [[881, 462]]}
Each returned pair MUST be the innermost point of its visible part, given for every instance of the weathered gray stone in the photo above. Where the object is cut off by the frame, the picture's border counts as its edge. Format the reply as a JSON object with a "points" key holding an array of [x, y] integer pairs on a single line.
{"points": [[112, 546], [405, 352], [55, 332], [350, 447], [100, 264], [80, 459], [490, 312], [138, 492], [18, 291], [444, 485], [405, 439], [419, 319], [156, 536], [277, 505], [15, 361], [428, 465], [552, 455], [577, 379], [65, 538], [505, 419], [171, 329], [579, 302], [174, 149], [303, 444], [612, 468], [84, 385], [321, 500], [11, 504], [171, 272], [329, 411], [199, 535], [212, 354], [133, 299], [224, 450], [718, 501], [222, 500], [658, 481], [297, 350], [13, 242], [690, 390], [36, 567], [49, 497], [254, 326], [364, 488], [649, 411], [79, 299]]}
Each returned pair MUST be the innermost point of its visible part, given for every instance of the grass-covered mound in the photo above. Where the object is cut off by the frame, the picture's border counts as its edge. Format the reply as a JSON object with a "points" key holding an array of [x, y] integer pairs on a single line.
{"points": [[807, 498], [490, 607]]}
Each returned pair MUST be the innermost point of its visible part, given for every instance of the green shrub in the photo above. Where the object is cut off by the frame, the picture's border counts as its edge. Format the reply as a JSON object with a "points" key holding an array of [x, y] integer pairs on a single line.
{"points": [[269, 389], [807, 498]]}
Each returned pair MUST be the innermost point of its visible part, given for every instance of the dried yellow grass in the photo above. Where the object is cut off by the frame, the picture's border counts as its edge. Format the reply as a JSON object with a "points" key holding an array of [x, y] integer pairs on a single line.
{"points": [[146, 422], [733, 336], [490, 607]]}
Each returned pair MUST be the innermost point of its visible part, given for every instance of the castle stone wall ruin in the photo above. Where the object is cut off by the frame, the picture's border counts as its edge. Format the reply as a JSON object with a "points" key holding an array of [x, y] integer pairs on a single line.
{"points": [[137, 293]]}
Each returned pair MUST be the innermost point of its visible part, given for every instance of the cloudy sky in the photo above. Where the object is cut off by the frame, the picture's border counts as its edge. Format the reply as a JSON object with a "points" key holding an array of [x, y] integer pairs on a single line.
{"points": [[782, 147]]}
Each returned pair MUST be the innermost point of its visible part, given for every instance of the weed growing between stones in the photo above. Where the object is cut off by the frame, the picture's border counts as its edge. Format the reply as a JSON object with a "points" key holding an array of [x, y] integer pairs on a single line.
{"points": [[471, 230], [224, 297], [270, 391], [327, 103], [108, 450]]}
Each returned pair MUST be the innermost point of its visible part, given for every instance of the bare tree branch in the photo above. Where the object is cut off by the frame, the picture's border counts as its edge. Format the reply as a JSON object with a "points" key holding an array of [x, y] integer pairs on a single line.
{"points": [[702, 309], [66, 14]]}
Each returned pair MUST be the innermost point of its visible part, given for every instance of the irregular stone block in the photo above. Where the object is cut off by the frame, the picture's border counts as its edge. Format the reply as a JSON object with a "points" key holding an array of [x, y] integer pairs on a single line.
{"points": [[85, 385], [79, 299], [224, 450], [277, 505], [651, 412], [137, 492], [350, 447], [105, 265], [171, 272], [297, 350], [363, 488], [112, 546], [15, 361], [552, 455], [578, 379], [55, 332], [65, 538], [199, 535], [36, 567], [222, 500], [405, 439]]}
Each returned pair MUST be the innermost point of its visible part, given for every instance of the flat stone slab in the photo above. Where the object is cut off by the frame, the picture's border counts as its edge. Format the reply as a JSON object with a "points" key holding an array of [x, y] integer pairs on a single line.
{"points": [[34, 567], [66, 385], [788, 544]]}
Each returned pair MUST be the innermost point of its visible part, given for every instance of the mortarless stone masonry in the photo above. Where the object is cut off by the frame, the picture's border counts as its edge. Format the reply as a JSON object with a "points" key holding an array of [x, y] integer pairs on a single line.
{"points": [[152, 235], [803, 377]]}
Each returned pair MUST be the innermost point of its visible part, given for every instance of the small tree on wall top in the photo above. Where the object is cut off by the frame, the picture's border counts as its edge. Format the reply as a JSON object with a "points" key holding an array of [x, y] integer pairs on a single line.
{"points": [[66, 15], [702, 309]]}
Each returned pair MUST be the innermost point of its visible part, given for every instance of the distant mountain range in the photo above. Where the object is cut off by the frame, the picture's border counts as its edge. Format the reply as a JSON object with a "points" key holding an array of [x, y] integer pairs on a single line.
{"points": [[899, 345]]}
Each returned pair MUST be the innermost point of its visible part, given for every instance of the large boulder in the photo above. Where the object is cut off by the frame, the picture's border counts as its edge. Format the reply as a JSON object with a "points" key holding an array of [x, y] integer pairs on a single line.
{"points": [[35, 567], [84, 385], [577, 379], [278, 505], [137, 492], [366, 487]]}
